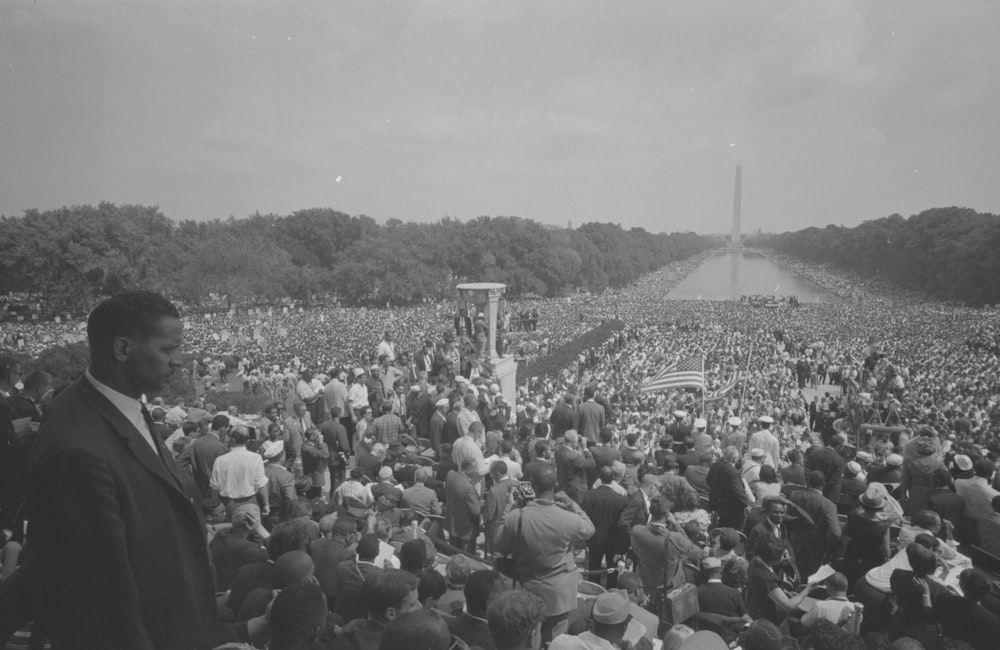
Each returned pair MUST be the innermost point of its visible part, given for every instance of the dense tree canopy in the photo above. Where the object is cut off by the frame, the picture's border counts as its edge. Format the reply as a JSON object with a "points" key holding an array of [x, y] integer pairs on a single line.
{"points": [[948, 253], [75, 255]]}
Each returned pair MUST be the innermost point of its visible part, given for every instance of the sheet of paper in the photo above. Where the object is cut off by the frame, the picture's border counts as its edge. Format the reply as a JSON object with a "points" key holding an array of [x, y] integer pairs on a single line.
{"points": [[22, 426], [821, 574]]}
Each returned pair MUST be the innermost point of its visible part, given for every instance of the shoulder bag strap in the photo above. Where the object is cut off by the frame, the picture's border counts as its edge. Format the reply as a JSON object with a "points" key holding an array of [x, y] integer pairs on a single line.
{"points": [[517, 545]]}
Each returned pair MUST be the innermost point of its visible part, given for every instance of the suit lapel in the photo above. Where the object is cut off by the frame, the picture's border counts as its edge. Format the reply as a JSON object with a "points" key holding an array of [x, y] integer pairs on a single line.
{"points": [[137, 445]]}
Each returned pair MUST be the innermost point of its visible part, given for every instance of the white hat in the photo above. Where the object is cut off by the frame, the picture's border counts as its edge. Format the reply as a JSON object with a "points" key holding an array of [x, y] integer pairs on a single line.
{"points": [[766, 419], [495, 388], [853, 467], [273, 449], [441, 402], [358, 372], [963, 462], [680, 414], [520, 408], [734, 421], [415, 388], [894, 459], [700, 423], [461, 380], [756, 453]]}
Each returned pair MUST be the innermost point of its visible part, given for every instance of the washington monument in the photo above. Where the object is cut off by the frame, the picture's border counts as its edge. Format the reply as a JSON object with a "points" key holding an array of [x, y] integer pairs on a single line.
{"points": [[735, 240]]}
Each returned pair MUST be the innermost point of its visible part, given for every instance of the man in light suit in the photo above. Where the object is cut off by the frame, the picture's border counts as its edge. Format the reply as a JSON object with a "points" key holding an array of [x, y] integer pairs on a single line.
{"points": [[296, 426], [115, 525], [463, 505]]}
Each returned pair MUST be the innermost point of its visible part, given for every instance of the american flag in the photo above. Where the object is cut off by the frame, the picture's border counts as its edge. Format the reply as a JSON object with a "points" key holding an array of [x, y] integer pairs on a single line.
{"points": [[683, 373], [724, 389]]}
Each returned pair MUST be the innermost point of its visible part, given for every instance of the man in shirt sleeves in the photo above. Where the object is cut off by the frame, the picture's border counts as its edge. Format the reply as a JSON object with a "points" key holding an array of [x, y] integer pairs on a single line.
{"points": [[115, 526]]}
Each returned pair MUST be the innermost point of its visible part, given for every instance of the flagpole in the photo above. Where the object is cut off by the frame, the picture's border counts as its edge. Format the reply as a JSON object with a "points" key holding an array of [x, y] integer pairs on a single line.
{"points": [[746, 376], [703, 385]]}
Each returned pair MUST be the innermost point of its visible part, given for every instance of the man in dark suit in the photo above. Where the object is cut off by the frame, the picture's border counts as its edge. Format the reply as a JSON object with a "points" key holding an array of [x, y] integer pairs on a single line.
{"points": [[563, 417], [199, 457], [350, 576], [725, 603], [604, 455], [814, 542], [338, 534], [463, 506], [480, 588], [572, 466], [115, 525], [604, 506], [727, 496], [591, 416]]}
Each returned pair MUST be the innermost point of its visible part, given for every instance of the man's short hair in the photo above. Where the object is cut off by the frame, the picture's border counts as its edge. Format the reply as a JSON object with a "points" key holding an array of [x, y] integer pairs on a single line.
{"points": [[292, 568], [983, 467], [387, 589], [425, 629], [498, 468], [927, 519], [513, 617], [659, 506], [470, 465], [296, 614], [772, 501], [220, 422], [794, 455], [974, 583], [133, 314], [544, 479], [412, 555], [922, 560], [423, 474], [335, 412], [815, 479], [39, 379], [606, 474], [605, 435], [291, 535], [432, 585], [837, 582], [731, 455], [479, 588], [239, 436]]}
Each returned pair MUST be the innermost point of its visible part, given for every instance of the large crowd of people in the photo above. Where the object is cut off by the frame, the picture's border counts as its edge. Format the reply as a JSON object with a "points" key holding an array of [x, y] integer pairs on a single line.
{"points": [[831, 485]]}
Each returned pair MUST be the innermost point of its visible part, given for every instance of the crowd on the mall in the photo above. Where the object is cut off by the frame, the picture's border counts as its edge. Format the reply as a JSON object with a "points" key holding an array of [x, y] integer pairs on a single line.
{"points": [[832, 485]]}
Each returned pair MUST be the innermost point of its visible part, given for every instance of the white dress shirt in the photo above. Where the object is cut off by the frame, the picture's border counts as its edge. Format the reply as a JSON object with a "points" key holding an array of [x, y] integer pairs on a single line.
{"points": [[129, 407]]}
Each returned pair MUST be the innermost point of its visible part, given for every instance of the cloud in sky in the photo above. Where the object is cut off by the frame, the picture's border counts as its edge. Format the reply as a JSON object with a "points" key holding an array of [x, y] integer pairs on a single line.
{"points": [[838, 110]]}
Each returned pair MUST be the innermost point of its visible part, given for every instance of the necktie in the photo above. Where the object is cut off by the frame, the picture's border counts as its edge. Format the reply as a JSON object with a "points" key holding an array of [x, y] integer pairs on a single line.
{"points": [[302, 425], [149, 426]]}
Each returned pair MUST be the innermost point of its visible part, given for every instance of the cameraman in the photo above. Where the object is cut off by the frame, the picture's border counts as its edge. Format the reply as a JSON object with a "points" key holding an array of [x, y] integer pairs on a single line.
{"points": [[551, 525]]}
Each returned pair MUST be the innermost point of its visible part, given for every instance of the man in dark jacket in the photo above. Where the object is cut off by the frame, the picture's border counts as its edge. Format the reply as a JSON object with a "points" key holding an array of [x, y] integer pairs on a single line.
{"points": [[471, 627], [604, 506], [727, 495]]}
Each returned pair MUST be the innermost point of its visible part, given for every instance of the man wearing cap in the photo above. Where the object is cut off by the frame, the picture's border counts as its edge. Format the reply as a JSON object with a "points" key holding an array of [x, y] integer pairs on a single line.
{"points": [[591, 416], [610, 618], [851, 487], [767, 441], [978, 491], [679, 429], [714, 597], [889, 474], [735, 436], [280, 483]]}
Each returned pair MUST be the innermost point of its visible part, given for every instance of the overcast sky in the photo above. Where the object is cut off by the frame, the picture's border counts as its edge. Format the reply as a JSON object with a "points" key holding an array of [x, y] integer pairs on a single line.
{"points": [[627, 111]]}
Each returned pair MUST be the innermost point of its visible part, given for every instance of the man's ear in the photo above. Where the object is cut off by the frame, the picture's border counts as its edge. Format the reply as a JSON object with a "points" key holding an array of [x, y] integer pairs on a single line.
{"points": [[121, 348]]}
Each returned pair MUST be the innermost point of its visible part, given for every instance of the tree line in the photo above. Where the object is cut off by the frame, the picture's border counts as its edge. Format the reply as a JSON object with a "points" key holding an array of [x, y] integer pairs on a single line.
{"points": [[75, 255], [951, 254]]}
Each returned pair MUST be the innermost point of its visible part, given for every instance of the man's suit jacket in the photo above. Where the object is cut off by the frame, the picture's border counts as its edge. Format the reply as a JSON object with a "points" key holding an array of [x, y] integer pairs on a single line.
{"points": [[562, 419], [462, 506], [204, 451], [604, 506], [421, 412], [591, 420], [295, 434], [349, 580], [726, 494], [118, 535], [603, 455], [436, 432], [717, 598], [327, 554], [472, 630], [571, 468], [636, 513]]}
